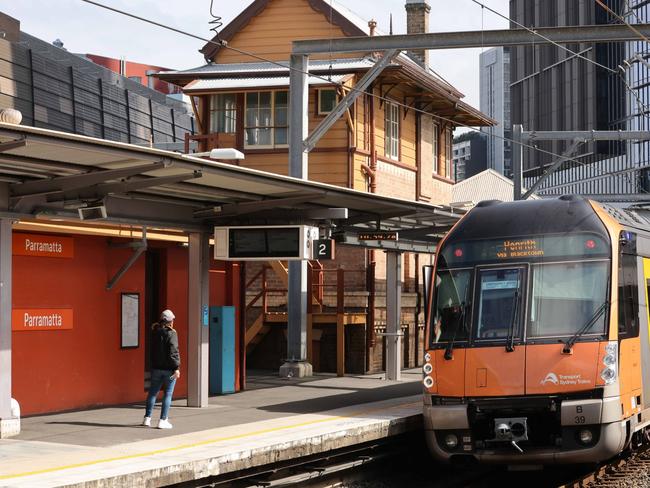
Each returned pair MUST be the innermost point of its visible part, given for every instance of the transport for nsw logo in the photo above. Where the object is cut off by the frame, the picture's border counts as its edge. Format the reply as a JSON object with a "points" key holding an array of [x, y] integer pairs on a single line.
{"points": [[550, 378]]}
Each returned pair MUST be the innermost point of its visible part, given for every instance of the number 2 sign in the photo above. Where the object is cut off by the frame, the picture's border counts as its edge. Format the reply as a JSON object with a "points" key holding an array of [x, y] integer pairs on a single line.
{"points": [[324, 249]]}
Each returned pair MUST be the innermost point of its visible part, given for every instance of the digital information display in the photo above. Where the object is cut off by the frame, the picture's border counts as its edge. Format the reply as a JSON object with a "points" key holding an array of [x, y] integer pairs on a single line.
{"points": [[529, 248], [260, 242]]}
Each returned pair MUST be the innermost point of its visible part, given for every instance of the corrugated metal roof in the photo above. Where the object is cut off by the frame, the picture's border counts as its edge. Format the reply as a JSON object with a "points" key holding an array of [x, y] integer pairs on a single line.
{"points": [[240, 83], [487, 185], [267, 67]]}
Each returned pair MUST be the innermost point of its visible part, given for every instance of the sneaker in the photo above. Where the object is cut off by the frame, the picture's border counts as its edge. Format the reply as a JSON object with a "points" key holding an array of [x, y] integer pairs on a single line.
{"points": [[164, 424], [146, 422]]}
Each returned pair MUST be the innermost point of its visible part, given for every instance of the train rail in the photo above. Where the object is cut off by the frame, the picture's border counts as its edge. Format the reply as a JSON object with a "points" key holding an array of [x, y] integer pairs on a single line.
{"points": [[629, 470], [327, 469]]}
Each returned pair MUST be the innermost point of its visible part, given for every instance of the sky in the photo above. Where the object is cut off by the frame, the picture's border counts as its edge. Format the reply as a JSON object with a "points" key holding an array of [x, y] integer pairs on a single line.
{"points": [[86, 28]]}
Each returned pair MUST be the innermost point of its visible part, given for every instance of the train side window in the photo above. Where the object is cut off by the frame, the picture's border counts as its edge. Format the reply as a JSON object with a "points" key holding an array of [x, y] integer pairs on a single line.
{"points": [[628, 297]]}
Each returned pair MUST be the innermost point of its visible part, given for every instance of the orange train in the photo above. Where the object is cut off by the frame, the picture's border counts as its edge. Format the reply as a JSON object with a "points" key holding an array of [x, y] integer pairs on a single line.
{"points": [[537, 334]]}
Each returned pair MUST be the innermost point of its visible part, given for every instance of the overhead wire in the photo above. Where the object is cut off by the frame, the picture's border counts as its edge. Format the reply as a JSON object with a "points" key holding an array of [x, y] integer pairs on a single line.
{"points": [[618, 73], [224, 44], [537, 34], [644, 111]]}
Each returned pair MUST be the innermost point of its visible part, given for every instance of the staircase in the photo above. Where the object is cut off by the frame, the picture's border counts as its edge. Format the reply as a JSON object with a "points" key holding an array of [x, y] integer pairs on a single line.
{"points": [[317, 311]]}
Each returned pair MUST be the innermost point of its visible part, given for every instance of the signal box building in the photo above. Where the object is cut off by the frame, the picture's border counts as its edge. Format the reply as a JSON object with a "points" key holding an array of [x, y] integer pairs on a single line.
{"points": [[394, 141]]}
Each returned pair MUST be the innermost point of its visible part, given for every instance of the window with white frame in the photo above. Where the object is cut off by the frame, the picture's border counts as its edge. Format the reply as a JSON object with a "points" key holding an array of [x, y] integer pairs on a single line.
{"points": [[391, 127], [435, 147], [327, 99], [266, 123], [448, 158], [223, 113]]}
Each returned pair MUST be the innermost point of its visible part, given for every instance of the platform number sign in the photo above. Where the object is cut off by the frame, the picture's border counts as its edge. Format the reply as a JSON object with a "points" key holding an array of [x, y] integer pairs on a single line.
{"points": [[324, 249]]}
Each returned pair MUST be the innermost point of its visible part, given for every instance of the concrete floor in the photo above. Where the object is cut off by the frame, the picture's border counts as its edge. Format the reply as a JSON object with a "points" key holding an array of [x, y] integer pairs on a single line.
{"points": [[273, 413]]}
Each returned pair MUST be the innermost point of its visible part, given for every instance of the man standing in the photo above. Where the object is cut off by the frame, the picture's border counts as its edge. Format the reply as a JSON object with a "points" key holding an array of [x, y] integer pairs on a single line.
{"points": [[165, 363]]}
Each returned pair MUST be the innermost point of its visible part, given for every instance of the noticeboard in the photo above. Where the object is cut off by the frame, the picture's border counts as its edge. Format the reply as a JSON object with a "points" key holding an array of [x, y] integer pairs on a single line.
{"points": [[130, 327]]}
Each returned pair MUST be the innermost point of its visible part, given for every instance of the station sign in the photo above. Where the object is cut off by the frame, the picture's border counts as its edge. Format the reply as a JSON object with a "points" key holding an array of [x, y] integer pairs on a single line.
{"points": [[324, 249], [378, 236], [31, 319], [42, 246]]}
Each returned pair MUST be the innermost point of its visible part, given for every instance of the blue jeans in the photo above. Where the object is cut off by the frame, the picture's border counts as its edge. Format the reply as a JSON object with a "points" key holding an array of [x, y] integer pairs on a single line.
{"points": [[161, 378]]}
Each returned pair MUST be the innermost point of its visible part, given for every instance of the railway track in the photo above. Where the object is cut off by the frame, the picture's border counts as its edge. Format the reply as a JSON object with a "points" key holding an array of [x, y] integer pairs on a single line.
{"points": [[333, 468], [631, 470], [402, 461]]}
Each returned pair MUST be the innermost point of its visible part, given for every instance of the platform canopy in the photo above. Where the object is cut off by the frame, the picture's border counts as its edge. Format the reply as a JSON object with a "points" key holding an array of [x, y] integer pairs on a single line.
{"points": [[59, 176]]}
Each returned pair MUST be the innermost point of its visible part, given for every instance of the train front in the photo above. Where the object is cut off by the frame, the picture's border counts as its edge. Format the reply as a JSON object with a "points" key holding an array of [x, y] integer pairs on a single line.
{"points": [[520, 364]]}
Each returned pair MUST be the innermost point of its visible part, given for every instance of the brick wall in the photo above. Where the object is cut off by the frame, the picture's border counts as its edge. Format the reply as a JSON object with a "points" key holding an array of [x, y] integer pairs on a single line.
{"points": [[395, 181]]}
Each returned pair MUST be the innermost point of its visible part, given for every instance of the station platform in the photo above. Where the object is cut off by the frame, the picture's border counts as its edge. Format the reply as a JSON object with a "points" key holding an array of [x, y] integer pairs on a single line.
{"points": [[274, 420]]}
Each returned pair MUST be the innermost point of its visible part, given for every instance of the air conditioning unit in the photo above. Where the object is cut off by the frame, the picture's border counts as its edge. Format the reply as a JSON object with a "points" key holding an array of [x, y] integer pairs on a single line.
{"points": [[263, 243], [92, 212]]}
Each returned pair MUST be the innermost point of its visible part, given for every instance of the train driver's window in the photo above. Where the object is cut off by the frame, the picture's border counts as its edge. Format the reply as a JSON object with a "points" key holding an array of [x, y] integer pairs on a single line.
{"points": [[499, 300], [450, 320]]}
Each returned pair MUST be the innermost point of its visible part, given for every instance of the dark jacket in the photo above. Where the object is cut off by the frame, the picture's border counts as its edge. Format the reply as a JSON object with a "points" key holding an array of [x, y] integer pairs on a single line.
{"points": [[164, 348]]}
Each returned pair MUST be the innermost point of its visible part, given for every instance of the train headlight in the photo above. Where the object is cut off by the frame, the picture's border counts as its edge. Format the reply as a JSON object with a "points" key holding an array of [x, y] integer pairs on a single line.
{"points": [[427, 368], [585, 436], [427, 357], [451, 441], [427, 381], [608, 375], [610, 361]]}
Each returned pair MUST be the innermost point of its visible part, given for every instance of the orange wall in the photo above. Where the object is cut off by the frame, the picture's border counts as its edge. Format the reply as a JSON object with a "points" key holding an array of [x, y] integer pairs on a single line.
{"points": [[58, 370], [55, 370]]}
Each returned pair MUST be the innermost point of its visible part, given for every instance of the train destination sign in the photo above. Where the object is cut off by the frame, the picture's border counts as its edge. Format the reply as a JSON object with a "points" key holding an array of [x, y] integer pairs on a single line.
{"points": [[378, 236], [525, 248], [41, 319]]}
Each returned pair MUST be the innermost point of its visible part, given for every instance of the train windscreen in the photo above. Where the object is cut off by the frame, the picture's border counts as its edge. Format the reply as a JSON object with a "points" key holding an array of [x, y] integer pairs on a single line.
{"points": [[538, 288], [565, 296]]}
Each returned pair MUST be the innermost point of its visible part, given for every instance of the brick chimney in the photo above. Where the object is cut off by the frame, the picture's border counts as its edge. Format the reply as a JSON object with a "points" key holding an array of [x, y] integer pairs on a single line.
{"points": [[417, 22]]}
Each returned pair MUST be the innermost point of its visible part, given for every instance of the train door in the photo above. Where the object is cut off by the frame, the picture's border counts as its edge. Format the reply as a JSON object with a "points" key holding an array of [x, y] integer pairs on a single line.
{"points": [[495, 363], [630, 367], [644, 329]]}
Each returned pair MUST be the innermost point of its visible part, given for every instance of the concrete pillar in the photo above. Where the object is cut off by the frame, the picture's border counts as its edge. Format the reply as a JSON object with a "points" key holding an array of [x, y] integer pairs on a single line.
{"points": [[196, 362], [393, 336], [297, 365], [8, 424]]}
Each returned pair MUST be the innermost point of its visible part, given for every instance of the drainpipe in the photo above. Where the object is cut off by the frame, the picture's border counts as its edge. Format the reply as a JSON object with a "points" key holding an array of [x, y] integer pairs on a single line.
{"points": [[371, 174]]}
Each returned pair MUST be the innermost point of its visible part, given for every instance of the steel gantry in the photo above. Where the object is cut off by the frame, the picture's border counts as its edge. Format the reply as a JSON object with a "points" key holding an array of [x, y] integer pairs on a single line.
{"points": [[301, 143], [521, 138]]}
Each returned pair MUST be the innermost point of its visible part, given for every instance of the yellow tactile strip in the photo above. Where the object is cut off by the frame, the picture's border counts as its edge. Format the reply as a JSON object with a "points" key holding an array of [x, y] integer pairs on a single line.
{"points": [[191, 445]]}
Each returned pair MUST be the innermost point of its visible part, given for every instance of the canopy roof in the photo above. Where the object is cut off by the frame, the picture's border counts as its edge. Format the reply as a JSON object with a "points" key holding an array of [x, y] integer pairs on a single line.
{"points": [[51, 175]]}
